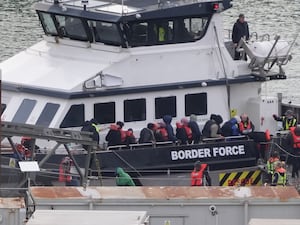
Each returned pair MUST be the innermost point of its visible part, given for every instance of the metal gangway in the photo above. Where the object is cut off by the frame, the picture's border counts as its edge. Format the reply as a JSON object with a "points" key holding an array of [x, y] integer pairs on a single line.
{"points": [[61, 137]]}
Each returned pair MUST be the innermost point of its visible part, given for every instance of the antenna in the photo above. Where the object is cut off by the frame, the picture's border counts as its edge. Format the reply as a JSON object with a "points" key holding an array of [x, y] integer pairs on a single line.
{"points": [[122, 7]]}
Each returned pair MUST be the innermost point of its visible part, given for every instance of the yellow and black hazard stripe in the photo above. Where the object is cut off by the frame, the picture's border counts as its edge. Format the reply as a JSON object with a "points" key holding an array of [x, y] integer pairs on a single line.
{"points": [[245, 178]]}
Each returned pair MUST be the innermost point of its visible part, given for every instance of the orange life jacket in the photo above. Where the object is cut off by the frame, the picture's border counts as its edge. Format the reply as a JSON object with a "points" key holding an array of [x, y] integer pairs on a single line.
{"points": [[188, 131], [164, 133], [64, 171], [296, 139], [197, 176], [123, 135], [242, 126]]}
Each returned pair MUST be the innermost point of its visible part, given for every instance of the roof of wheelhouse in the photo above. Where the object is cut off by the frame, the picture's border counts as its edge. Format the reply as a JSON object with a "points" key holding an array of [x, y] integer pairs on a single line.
{"points": [[113, 11]]}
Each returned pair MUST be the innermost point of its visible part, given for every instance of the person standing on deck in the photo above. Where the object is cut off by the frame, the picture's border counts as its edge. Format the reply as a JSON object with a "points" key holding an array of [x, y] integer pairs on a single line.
{"points": [[288, 120], [123, 178], [240, 30], [196, 133], [200, 175], [168, 119], [91, 126], [246, 126], [293, 141]]}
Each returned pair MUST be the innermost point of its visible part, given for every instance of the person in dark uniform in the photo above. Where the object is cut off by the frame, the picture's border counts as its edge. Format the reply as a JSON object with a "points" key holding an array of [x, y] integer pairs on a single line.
{"points": [[240, 30], [91, 126], [288, 120]]}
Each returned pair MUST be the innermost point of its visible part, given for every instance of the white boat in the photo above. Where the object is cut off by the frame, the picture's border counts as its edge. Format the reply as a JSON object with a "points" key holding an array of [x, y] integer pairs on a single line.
{"points": [[136, 61]]}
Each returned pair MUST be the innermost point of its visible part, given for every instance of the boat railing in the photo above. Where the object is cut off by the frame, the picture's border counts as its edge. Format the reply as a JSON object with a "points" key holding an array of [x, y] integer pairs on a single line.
{"points": [[176, 143], [135, 146], [253, 36], [230, 138]]}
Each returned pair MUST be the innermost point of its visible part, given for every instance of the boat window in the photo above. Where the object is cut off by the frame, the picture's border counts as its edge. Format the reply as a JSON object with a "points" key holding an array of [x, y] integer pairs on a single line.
{"points": [[47, 114], [196, 104], [48, 23], [24, 111], [151, 33], [138, 34], [105, 112], [71, 27], [3, 107], [195, 27], [135, 110], [165, 106], [177, 30], [74, 117], [106, 33]]}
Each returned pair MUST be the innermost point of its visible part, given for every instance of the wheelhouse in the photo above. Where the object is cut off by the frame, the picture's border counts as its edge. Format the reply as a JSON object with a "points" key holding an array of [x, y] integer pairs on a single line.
{"points": [[132, 25]]}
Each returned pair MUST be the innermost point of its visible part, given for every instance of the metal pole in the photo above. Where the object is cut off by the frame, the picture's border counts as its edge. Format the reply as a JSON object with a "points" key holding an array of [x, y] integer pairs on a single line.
{"points": [[74, 161], [246, 210], [87, 163], [48, 155]]}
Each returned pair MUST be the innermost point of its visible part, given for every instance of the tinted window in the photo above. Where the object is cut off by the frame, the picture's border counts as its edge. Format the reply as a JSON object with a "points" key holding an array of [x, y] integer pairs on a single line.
{"points": [[74, 117], [106, 33], [138, 34], [105, 112], [3, 107], [135, 110], [166, 31], [196, 27], [71, 27], [47, 114], [24, 111], [196, 104], [165, 106], [48, 23]]}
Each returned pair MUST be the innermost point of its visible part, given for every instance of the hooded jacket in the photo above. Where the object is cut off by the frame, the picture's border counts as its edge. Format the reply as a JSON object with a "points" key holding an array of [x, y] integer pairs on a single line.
{"points": [[231, 128], [123, 178], [196, 133], [168, 119], [240, 30]]}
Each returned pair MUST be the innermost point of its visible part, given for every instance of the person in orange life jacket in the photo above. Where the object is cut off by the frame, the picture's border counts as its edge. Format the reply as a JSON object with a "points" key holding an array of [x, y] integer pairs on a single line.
{"points": [[200, 175], [196, 133], [279, 177], [246, 126], [288, 120], [160, 132], [168, 119], [293, 141], [130, 138], [184, 132], [116, 135]]}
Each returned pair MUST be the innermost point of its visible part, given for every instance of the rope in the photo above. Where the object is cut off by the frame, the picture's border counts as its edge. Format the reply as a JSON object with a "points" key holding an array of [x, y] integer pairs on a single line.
{"points": [[285, 151], [224, 69], [127, 163]]}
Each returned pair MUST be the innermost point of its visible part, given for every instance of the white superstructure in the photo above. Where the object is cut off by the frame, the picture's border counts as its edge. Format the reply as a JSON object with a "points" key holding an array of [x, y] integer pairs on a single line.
{"points": [[134, 66]]}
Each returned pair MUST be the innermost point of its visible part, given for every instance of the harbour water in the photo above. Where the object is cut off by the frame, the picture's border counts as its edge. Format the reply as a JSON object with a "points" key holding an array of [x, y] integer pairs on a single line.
{"points": [[20, 28]]}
